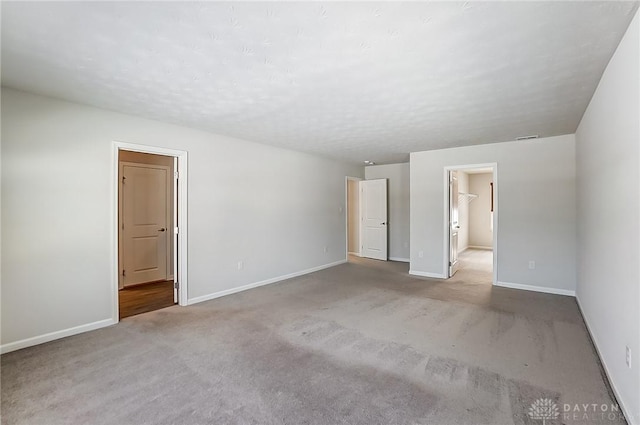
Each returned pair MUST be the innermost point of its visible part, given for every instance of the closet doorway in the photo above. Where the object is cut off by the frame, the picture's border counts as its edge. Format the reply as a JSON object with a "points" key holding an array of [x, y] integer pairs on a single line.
{"points": [[151, 230], [471, 224]]}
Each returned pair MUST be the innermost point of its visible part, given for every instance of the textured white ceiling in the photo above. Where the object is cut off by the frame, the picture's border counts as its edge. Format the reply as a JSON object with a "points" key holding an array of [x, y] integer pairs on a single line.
{"points": [[353, 81]]}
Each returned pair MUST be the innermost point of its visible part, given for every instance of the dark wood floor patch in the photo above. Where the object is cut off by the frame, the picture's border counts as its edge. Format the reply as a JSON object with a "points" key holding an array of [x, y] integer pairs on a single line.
{"points": [[144, 298]]}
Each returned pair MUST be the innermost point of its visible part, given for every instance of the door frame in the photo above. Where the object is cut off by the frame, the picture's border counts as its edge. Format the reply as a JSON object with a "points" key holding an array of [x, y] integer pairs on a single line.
{"points": [[180, 267], [446, 250], [346, 216], [452, 179]]}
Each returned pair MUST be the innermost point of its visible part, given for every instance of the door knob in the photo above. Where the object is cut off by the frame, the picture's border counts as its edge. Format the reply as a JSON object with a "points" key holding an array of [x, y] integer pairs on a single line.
{"points": [[162, 230], [382, 224]]}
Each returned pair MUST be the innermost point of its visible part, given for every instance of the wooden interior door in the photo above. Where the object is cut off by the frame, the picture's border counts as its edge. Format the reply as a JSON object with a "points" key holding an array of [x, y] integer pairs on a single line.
{"points": [[144, 222]]}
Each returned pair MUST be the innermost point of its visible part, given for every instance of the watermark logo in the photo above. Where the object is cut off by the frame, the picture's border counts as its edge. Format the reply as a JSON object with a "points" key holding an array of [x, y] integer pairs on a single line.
{"points": [[544, 409], [592, 412]]}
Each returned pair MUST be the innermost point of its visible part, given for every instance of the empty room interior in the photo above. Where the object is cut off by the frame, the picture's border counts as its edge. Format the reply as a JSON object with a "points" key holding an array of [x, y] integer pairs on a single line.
{"points": [[320, 213]]}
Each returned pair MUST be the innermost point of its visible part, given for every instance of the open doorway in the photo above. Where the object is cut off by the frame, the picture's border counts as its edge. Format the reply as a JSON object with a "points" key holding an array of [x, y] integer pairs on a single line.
{"points": [[366, 218], [471, 225], [145, 240], [150, 229], [353, 216]]}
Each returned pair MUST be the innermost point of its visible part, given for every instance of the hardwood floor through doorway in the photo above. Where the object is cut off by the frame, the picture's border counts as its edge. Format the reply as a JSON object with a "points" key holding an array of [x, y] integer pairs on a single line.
{"points": [[144, 298]]}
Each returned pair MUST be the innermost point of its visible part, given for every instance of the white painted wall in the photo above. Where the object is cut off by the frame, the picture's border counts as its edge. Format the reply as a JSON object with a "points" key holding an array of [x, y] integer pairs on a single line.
{"points": [[398, 200], [536, 203], [608, 160], [480, 231], [274, 209], [463, 211]]}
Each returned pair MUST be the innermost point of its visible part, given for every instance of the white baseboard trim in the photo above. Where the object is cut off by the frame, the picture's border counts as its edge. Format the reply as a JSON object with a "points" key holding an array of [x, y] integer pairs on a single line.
{"points": [[627, 413], [488, 248], [357, 254], [427, 274], [544, 289], [41, 339], [403, 260], [219, 294]]}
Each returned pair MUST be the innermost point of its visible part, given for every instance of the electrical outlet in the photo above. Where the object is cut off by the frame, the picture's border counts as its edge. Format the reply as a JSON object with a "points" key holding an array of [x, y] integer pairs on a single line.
{"points": [[628, 357], [532, 264], [421, 254], [240, 265]]}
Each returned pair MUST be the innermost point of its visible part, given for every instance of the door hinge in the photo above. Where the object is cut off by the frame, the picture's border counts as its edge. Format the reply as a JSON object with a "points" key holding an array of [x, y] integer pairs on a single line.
{"points": [[176, 175], [176, 230], [123, 179], [123, 273], [176, 285]]}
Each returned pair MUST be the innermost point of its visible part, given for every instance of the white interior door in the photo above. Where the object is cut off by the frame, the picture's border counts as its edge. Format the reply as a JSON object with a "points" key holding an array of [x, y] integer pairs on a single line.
{"points": [[373, 213], [144, 222], [454, 224]]}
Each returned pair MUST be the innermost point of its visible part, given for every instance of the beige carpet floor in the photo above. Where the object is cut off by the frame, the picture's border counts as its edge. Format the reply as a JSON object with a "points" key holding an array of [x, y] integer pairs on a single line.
{"points": [[360, 343]]}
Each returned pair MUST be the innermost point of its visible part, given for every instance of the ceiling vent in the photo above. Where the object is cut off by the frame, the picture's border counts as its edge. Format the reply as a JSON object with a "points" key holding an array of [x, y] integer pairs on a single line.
{"points": [[533, 136]]}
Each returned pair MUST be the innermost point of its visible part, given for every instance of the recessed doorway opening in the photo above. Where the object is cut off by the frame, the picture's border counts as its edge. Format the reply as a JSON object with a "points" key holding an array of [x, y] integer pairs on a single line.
{"points": [[150, 229], [471, 219], [352, 202], [366, 218]]}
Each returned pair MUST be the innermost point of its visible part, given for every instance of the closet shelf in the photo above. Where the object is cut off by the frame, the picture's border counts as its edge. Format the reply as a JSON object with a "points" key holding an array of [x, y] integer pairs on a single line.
{"points": [[462, 196]]}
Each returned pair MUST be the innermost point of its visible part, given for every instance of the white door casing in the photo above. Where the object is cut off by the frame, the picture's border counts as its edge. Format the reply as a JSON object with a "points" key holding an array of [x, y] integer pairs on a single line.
{"points": [[373, 219], [174, 228], [144, 222], [454, 225]]}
